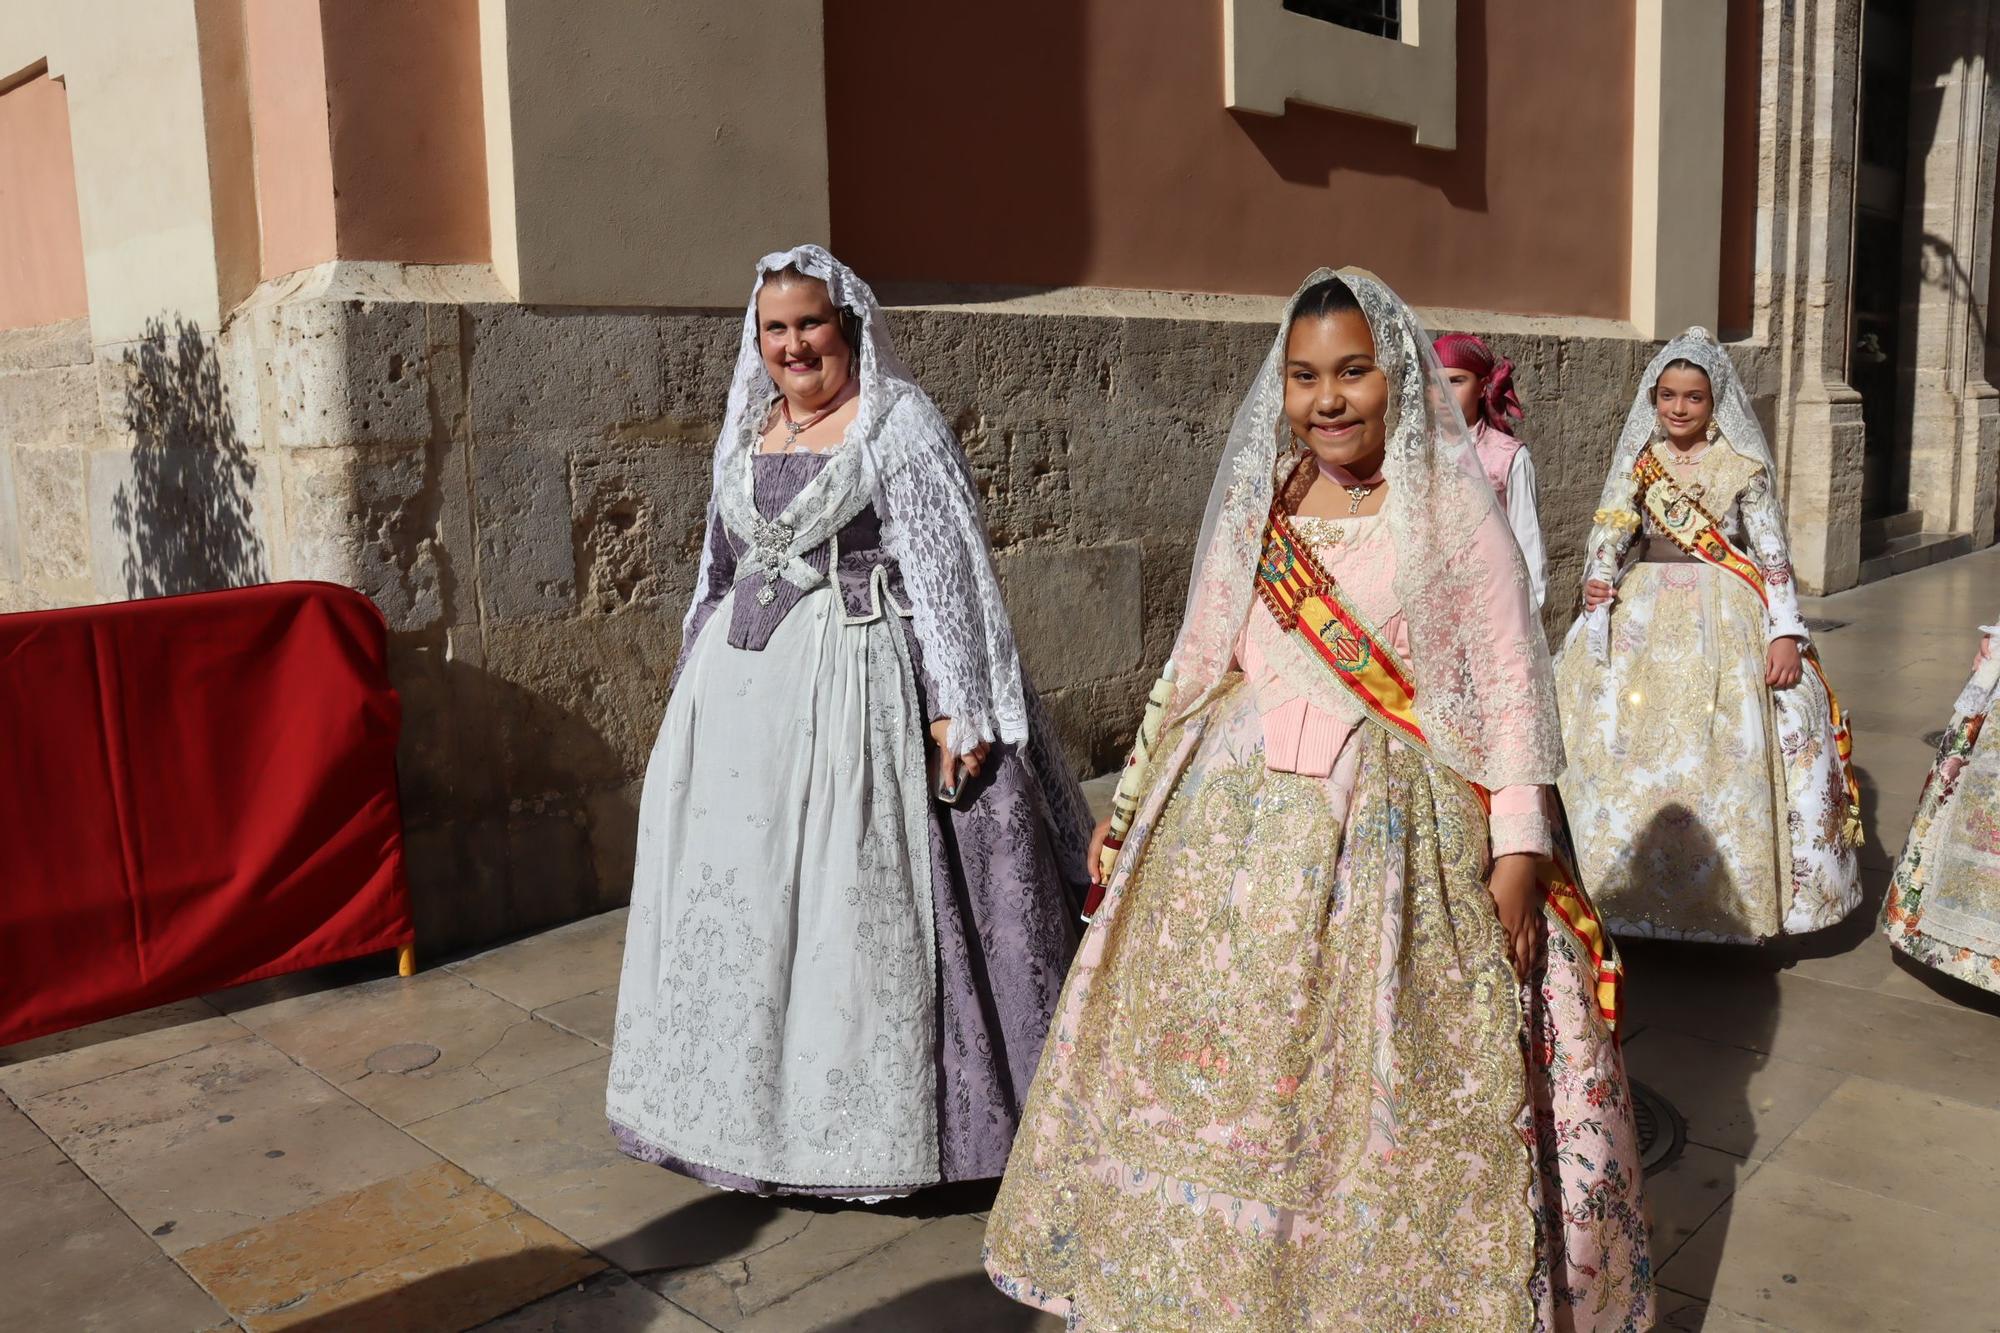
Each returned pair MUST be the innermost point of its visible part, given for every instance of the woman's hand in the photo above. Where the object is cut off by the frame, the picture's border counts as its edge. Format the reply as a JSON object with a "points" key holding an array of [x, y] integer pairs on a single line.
{"points": [[1096, 858], [954, 769], [1781, 665], [1596, 593], [1517, 897]]}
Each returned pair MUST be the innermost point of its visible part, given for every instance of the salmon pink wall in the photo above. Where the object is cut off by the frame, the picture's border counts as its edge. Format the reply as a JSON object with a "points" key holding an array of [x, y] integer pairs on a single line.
{"points": [[41, 240], [1085, 142], [409, 129], [370, 134], [293, 154]]}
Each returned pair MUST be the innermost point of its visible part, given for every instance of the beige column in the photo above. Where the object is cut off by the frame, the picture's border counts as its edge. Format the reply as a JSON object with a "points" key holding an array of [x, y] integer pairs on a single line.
{"points": [[1680, 59], [1812, 65], [1953, 411], [164, 236], [647, 154]]}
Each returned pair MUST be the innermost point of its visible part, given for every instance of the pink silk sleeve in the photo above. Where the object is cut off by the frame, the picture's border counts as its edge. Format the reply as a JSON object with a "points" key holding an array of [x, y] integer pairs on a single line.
{"points": [[1520, 822]]}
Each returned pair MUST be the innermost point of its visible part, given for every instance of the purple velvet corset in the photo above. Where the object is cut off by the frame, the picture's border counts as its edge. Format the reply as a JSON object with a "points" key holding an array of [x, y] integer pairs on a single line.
{"points": [[776, 480]]}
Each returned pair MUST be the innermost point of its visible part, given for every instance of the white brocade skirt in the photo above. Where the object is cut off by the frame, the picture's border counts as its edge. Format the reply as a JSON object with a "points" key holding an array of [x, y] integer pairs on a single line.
{"points": [[1705, 805], [777, 1007]]}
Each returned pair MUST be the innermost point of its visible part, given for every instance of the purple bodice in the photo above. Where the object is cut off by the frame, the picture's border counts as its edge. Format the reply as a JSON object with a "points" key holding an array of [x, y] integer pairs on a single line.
{"points": [[776, 480]]}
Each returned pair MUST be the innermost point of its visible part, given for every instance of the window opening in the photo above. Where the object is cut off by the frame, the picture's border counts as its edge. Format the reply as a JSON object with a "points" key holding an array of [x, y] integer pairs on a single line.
{"points": [[1377, 18]]}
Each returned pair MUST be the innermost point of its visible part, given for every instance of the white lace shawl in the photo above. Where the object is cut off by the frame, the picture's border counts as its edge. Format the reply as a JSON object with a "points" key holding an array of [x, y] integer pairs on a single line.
{"points": [[900, 455], [1485, 689], [1736, 427]]}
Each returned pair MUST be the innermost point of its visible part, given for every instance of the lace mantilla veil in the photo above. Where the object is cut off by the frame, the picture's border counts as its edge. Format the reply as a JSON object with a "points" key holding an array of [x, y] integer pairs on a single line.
{"points": [[1736, 425], [1485, 689], [1734, 418], [901, 456]]}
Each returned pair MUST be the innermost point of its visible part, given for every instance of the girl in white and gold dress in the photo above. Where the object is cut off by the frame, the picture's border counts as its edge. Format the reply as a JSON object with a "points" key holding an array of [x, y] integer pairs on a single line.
{"points": [[1944, 899], [1708, 784]]}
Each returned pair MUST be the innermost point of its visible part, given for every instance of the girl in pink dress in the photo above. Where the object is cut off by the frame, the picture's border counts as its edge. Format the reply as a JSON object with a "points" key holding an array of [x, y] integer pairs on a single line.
{"points": [[1482, 384], [1338, 1051]]}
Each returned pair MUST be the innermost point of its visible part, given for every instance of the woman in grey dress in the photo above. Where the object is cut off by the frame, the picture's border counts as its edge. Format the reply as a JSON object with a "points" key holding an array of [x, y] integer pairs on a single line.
{"points": [[860, 850]]}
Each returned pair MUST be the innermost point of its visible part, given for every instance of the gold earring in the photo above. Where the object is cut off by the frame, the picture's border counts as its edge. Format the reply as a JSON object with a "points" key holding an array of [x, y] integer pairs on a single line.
{"points": [[1712, 431]]}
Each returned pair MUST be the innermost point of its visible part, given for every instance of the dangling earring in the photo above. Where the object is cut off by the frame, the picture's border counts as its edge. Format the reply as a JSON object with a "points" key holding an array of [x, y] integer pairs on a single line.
{"points": [[1712, 431]]}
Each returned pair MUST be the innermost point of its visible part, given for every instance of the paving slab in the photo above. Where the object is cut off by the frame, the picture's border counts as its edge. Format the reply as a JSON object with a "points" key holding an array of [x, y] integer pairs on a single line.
{"points": [[546, 1144], [430, 1250], [593, 1016], [1739, 1101], [608, 1303], [1865, 966], [1685, 1314], [790, 1248], [1901, 1144], [71, 1259], [217, 1141], [80, 1055], [18, 1134], [1714, 995], [927, 1281], [1809, 1254], [1684, 1195], [556, 965], [368, 1040]]}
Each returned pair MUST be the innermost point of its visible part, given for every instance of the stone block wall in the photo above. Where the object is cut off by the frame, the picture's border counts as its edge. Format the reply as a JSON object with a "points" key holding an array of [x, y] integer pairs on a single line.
{"points": [[521, 492]]}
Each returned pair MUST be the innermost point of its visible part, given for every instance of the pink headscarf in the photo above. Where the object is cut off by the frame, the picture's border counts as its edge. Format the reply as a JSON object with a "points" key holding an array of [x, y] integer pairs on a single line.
{"points": [[1499, 405]]}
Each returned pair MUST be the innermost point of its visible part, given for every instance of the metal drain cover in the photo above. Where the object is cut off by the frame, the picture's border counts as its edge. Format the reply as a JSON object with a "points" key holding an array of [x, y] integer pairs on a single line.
{"points": [[1821, 625], [1662, 1132]]}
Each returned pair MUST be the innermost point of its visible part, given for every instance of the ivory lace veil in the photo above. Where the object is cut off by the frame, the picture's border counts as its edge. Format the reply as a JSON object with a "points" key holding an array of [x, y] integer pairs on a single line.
{"points": [[1485, 689]]}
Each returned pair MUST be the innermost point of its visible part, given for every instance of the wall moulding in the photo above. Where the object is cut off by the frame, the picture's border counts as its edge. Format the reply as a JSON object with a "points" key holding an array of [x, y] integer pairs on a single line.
{"points": [[1271, 56]]}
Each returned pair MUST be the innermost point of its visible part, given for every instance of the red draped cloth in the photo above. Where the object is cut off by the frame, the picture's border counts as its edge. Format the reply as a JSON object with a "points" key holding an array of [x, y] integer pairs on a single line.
{"points": [[199, 791]]}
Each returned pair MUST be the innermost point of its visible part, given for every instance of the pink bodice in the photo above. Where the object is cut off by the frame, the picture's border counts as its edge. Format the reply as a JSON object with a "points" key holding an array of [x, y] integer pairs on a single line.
{"points": [[1496, 450], [1300, 738]]}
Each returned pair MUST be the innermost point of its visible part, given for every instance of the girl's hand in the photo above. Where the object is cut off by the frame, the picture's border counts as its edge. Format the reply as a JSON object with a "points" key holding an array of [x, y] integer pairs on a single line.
{"points": [[1596, 593], [1096, 856], [1517, 897], [1782, 665], [954, 769]]}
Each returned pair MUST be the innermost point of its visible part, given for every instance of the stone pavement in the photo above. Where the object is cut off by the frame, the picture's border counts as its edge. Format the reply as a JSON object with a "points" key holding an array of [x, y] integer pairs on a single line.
{"points": [[345, 1150]]}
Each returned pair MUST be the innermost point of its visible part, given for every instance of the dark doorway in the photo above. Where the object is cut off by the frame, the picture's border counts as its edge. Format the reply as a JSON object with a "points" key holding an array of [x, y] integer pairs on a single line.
{"points": [[1881, 189]]}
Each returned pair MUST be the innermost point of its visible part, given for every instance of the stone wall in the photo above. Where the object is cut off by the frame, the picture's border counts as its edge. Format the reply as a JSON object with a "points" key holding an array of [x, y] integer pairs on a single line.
{"points": [[521, 492]]}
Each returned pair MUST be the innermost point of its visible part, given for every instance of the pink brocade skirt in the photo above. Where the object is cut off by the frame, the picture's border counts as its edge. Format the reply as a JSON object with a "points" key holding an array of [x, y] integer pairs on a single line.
{"points": [[1293, 1084]]}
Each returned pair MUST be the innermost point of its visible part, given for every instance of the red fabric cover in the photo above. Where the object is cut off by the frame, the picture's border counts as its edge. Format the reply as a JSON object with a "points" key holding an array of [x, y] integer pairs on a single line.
{"points": [[199, 791]]}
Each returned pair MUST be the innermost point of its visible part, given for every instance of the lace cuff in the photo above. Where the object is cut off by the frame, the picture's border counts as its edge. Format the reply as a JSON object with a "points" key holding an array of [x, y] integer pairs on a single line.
{"points": [[1519, 823], [967, 730]]}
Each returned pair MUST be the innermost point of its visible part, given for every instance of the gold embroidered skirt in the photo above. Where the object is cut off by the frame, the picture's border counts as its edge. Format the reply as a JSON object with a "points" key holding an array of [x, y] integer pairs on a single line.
{"points": [[1705, 805], [1293, 1083]]}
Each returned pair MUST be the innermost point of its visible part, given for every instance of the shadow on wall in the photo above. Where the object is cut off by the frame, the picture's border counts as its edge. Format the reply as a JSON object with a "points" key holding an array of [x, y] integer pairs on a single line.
{"points": [[1308, 143], [185, 514]]}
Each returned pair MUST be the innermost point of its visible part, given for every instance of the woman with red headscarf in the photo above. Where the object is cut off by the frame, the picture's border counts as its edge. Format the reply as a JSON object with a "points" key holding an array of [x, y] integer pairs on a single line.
{"points": [[1483, 384]]}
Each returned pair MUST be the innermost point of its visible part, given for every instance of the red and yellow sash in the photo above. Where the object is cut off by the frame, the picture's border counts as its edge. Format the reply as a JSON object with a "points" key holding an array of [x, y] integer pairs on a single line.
{"points": [[1695, 530], [1304, 599]]}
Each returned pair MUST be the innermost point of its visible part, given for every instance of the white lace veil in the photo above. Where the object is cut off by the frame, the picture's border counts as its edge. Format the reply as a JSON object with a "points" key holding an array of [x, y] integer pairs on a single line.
{"points": [[901, 456], [1485, 689], [1734, 418]]}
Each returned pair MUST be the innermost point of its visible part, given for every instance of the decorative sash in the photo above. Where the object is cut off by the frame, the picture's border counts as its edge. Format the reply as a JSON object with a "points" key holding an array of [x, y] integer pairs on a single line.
{"points": [[1304, 599], [1692, 528]]}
